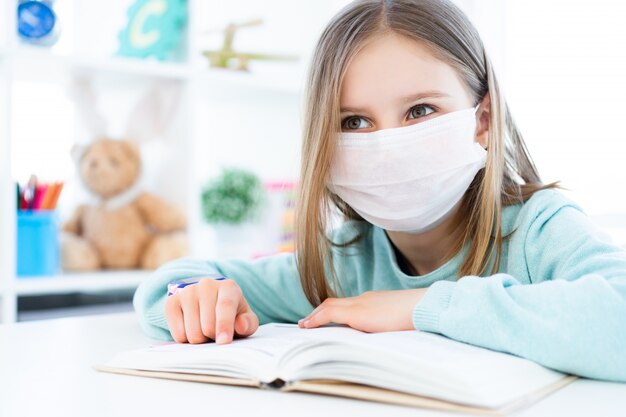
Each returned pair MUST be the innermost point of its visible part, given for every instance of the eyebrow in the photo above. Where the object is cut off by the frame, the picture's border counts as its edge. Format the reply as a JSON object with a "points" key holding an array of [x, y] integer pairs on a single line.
{"points": [[405, 99]]}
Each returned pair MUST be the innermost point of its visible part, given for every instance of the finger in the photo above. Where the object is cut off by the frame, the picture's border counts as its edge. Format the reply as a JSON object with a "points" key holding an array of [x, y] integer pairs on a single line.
{"points": [[191, 315], [316, 310], [247, 321], [174, 317], [226, 306], [330, 314], [325, 304], [207, 296]]}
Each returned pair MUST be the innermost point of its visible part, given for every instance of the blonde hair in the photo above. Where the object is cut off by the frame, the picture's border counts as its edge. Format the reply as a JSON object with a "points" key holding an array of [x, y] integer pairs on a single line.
{"points": [[509, 176]]}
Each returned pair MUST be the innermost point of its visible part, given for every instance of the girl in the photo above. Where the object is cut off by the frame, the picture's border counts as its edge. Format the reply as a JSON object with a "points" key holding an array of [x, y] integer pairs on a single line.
{"points": [[447, 229]]}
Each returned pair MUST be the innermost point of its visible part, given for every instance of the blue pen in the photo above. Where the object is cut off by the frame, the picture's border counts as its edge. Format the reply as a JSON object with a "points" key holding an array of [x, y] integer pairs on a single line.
{"points": [[174, 286]]}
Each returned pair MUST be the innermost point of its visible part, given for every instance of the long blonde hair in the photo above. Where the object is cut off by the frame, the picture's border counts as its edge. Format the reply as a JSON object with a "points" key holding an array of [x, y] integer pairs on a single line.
{"points": [[509, 176]]}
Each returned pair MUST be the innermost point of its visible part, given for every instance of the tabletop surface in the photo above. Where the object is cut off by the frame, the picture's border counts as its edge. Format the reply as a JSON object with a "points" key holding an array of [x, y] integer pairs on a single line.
{"points": [[46, 369]]}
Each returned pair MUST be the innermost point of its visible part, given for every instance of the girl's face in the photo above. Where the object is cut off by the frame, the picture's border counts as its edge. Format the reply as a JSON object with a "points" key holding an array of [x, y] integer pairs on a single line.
{"points": [[394, 81]]}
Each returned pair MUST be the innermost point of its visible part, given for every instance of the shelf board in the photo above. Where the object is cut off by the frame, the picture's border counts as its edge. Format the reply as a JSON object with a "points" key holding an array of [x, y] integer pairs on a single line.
{"points": [[36, 60], [80, 282], [284, 82]]}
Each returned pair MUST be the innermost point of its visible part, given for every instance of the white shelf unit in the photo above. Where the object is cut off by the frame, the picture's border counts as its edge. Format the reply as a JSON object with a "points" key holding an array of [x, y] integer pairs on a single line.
{"points": [[7, 191], [206, 136], [20, 62], [25, 62]]}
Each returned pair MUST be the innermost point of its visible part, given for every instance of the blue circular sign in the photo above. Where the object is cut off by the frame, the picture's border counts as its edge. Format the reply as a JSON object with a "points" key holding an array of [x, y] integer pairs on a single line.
{"points": [[35, 19]]}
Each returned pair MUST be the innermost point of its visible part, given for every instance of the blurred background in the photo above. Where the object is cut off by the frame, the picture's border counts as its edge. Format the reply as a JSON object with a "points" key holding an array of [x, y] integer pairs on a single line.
{"points": [[211, 95]]}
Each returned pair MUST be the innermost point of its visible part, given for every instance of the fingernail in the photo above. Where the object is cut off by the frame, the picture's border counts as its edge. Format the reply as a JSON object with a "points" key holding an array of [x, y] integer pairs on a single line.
{"points": [[305, 323], [246, 324], [221, 338]]}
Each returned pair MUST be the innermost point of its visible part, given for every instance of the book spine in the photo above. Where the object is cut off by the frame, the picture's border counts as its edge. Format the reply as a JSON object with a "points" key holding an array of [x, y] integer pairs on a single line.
{"points": [[275, 385]]}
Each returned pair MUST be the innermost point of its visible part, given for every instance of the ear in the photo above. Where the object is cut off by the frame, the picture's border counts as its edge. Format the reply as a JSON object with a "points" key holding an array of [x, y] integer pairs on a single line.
{"points": [[132, 147], [77, 152], [154, 112], [482, 122], [84, 96], [131, 150]]}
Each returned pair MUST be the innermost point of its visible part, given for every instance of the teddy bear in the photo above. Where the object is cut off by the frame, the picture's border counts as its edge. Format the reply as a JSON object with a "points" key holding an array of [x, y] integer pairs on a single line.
{"points": [[124, 227], [129, 228]]}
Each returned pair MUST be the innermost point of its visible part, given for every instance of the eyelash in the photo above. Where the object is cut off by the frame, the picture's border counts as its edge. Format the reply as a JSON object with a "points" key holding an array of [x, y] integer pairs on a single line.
{"points": [[343, 122]]}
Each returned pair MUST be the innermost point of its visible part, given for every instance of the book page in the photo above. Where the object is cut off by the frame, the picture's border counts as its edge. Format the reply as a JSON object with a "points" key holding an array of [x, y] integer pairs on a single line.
{"points": [[415, 362], [253, 357]]}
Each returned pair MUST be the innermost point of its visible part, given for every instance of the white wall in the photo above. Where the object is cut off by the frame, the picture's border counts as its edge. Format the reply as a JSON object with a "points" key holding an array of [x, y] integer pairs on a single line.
{"points": [[566, 85]]}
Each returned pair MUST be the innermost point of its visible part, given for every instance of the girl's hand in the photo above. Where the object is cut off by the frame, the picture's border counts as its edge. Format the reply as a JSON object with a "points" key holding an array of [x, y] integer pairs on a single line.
{"points": [[372, 311], [207, 310]]}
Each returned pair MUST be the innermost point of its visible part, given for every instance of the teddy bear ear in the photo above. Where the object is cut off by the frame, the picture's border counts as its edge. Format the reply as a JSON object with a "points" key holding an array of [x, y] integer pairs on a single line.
{"points": [[77, 152], [154, 112], [133, 147]]}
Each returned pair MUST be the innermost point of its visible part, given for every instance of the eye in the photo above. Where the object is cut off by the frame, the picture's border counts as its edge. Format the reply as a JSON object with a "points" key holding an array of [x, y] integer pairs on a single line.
{"points": [[114, 162], [354, 123], [420, 110]]}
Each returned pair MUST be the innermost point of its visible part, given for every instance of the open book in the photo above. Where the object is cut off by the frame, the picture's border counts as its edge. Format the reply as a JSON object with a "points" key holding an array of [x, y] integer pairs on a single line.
{"points": [[407, 367]]}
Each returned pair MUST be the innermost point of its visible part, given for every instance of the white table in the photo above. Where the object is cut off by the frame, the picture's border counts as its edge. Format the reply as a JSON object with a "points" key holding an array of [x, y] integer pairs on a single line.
{"points": [[46, 370]]}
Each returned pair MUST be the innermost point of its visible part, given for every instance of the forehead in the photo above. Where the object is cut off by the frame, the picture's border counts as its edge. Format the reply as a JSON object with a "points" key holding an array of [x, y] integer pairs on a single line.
{"points": [[391, 66]]}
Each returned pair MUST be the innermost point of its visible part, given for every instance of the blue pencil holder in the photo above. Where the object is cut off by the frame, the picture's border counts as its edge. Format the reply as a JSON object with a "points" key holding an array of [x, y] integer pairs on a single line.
{"points": [[38, 252]]}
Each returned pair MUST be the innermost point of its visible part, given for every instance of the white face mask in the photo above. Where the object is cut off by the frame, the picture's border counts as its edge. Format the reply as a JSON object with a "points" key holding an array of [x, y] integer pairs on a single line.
{"points": [[408, 179]]}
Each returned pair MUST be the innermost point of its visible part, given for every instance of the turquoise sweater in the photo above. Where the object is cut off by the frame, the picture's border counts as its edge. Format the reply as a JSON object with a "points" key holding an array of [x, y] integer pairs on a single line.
{"points": [[559, 297]]}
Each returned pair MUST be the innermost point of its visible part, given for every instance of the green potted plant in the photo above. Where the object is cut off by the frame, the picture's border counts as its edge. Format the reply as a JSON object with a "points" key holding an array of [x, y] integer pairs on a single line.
{"points": [[231, 203], [234, 197]]}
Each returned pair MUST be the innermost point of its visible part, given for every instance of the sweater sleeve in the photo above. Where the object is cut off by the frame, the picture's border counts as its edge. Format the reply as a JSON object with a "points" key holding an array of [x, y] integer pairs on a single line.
{"points": [[570, 317], [271, 286]]}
